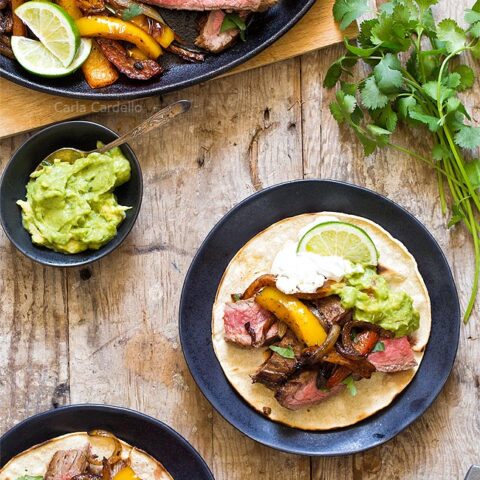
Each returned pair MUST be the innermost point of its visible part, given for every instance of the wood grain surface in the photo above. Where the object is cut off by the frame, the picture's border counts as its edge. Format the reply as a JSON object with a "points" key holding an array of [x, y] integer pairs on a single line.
{"points": [[27, 109], [108, 333]]}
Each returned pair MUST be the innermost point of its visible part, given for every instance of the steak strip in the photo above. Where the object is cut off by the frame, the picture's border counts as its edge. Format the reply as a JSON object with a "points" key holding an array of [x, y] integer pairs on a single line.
{"points": [[202, 5], [135, 69], [276, 370], [66, 464]]}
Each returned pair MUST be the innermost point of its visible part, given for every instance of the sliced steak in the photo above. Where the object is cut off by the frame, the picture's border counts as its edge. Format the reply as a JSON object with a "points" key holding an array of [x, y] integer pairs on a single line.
{"points": [[330, 310], [248, 324], [66, 464], [211, 38], [301, 391], [136, 69], [397, 356], [277, 369], [201, 5]]}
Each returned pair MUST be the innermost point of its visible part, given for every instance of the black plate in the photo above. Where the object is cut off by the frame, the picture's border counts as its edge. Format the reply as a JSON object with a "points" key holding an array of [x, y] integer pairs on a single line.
{"points": [[263, 30], [251, 217], [154, 437]]}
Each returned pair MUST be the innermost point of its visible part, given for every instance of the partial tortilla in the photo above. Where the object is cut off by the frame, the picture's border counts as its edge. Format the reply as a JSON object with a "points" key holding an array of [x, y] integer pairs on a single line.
{"points": [[35, 460], [254, 259]]}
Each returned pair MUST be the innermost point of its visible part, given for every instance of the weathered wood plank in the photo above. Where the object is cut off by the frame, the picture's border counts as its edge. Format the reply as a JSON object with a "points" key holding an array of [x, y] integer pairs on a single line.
{"points": [[33, 331]]}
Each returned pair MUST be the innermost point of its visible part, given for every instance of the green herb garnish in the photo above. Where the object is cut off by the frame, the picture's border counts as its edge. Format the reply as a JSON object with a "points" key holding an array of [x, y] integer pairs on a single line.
{"points": [[30, 477], [286, 352], [236, 297], [134, 10], [350, 384], [233, 20], [379, 347], [419, 92]]}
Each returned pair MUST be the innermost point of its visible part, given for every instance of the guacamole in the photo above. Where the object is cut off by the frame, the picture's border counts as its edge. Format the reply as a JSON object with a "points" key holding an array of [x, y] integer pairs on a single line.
{"points": [[372, 299], [70, 207]]}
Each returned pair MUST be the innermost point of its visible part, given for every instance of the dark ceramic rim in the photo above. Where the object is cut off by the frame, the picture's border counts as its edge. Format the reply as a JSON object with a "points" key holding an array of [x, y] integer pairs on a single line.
{"points": [[109, 247], [298, 450], [109, 409], [159, 89]]}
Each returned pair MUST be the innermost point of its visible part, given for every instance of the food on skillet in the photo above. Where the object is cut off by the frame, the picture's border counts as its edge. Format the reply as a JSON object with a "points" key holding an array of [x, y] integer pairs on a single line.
{"points": [[321, 320], [71, 207], [96, 455], [106, 38]]}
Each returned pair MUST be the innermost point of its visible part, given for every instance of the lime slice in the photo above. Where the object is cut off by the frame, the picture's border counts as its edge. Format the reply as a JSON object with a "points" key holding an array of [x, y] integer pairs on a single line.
{"points": [[35, 58], [341, 239], [53, 26]]}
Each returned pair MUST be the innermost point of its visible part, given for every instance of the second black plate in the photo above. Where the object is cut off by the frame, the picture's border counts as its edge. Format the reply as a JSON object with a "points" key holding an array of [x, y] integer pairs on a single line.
{"points": [[251, 217]]}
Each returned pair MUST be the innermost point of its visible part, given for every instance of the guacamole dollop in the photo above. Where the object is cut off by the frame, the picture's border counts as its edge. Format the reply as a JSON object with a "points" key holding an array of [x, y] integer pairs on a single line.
{"points": [[71, 207], [373, 300]]}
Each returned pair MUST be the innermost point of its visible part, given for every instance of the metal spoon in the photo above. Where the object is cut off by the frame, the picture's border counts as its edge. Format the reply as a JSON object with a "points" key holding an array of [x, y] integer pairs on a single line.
{"points": [[156, 120]]}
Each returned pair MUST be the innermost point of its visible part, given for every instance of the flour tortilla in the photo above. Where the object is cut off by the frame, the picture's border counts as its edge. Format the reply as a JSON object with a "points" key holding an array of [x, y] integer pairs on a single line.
{"points": [[254, 259], [35, 460]]}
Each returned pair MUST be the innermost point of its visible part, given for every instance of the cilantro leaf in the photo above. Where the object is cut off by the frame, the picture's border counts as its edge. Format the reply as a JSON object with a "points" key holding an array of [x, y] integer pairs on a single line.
{"points": [[285, 352], [474, 30], [439, 152], [457, 216], [376, 130], [433, 123], [393, 29], [387, 74], [452, 34], [467, 77], [452, 80], [131, 12], [371, 95], [233, 20], [404, 105], [343, 107], [365, 33], [347, 11], [236, 297], [385, 118], [333, 74], [369, 145], [350, 384], [432, 90], [468, 137], [379, 347], [472, 169], [359, 51]]}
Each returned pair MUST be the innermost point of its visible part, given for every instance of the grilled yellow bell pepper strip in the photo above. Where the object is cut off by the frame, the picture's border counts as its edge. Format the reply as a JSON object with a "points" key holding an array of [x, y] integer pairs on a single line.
{"points": [[126, 474], [117, 29], [71, 7], [162, 33], [294, 313]]}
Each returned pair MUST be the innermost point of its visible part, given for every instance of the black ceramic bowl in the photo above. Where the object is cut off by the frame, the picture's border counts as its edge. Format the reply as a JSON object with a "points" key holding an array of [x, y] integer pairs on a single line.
{"points": [[246, 220], [154, 437], [78, 134]]}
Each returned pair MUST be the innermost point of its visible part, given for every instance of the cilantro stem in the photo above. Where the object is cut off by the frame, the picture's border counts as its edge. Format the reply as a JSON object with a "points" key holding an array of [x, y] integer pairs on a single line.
{"points": [[441, 191]]}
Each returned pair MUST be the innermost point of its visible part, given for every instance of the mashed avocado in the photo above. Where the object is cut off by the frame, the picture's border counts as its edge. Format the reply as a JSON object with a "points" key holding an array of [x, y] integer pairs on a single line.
{"points": [[70, 207], [372, 299]]}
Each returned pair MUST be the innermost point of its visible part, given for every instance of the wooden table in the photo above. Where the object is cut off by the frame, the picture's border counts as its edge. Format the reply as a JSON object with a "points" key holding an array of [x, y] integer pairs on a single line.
{"points": [[108, 333]]}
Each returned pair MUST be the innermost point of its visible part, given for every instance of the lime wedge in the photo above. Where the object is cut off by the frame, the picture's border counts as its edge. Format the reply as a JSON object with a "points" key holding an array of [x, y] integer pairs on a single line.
{"points": [[341, 239], [53, 26], [35, 58]]}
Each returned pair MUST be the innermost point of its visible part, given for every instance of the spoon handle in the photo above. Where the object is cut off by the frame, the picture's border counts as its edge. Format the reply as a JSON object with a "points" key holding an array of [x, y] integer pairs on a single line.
{"points": [[156, 120]]}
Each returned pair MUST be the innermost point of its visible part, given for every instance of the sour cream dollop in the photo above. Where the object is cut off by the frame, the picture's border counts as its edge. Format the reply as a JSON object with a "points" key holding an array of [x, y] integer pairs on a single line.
{"points": [[305, 271]]}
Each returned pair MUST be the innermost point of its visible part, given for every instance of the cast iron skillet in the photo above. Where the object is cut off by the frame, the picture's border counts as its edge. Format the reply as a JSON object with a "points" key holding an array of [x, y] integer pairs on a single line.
{"points": [[263, 30], [159, 440], [251, 217]]}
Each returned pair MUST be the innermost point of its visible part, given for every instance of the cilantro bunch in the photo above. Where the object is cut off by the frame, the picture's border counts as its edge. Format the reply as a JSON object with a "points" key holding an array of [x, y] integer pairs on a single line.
{"points": [[413, 81]]}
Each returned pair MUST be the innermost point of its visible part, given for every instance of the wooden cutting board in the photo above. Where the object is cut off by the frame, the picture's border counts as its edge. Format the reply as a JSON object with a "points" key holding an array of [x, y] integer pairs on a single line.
{"points": [[22, 109]]}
